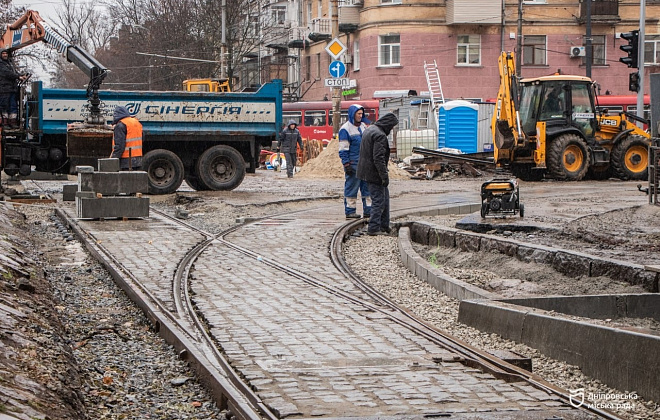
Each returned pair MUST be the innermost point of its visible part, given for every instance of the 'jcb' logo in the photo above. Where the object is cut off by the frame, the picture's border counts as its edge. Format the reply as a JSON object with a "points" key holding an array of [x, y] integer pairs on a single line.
{"points": [[613, 123]]}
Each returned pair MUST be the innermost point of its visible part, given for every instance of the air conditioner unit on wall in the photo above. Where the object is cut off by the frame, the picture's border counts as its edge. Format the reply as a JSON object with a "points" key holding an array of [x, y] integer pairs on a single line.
{"points": [[578, 52]]}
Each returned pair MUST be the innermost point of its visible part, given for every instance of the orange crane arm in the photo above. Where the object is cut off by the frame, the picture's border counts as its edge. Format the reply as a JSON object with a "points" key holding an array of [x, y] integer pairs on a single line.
{"points": [[27, 30]]}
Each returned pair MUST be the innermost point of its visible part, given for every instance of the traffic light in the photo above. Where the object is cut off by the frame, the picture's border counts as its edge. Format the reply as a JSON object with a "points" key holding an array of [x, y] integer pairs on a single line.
{"points": [[632, 48], [633, 82]]}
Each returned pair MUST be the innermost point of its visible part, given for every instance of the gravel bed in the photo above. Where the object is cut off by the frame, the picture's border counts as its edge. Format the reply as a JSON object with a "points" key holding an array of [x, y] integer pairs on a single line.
{"points": [[127, 370], [376, 260]]}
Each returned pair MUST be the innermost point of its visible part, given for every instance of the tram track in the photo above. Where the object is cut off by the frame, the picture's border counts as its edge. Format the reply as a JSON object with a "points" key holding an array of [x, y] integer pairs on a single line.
{"points": [[249, 405], [470, 356]]}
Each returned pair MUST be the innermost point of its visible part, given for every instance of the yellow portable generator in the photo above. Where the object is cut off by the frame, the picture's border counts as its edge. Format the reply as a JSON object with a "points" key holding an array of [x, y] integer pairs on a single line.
{"points": [[501, 196]]}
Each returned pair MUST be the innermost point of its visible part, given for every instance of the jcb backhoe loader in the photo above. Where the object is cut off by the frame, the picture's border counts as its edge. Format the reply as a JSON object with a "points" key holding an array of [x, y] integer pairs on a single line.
{"points": [[548, 126]]}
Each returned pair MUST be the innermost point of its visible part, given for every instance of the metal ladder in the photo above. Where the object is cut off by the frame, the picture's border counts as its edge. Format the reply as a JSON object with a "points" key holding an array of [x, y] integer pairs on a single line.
{"points": [[435, 89], [423, 115]]}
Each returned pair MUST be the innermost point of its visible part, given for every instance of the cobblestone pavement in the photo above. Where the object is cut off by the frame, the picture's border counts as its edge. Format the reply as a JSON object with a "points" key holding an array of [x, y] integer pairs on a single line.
{"points": [[305, 350]]}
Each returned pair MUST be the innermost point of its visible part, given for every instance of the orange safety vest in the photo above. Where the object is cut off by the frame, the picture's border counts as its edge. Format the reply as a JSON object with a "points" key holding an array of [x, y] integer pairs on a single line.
{"points": [[133, 138]]}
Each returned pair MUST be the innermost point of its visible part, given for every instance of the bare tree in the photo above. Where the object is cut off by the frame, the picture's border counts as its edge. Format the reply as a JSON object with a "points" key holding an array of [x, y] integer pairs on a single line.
{"points": [[86, 27], [165, 33]]}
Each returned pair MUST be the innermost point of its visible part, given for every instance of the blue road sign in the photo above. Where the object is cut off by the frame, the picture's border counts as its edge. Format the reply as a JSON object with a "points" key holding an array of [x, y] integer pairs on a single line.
{"points": [[337, 69]]}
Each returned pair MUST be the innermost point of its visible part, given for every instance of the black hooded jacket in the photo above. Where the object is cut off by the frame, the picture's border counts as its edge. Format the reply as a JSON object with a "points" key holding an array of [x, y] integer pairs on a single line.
{"points": [[289, 138], [375, 150], [8, 76]]}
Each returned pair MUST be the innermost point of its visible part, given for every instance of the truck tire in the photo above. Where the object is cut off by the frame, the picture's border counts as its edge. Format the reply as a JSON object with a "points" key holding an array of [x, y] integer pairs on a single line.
{"points": [[195, 183], [568, 158], [165, 171], [630, 158], [221, 168]]}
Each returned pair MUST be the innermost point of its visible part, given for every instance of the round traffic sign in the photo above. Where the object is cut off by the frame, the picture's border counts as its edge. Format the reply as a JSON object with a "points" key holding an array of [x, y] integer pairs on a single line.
{"points": [[337, 69]]}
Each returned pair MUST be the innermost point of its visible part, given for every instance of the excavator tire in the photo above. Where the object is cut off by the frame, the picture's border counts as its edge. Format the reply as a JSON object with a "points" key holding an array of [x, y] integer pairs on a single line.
{"points": [[526, 172], [165, 171], [568, 158], [630, 158], [221, 168]]}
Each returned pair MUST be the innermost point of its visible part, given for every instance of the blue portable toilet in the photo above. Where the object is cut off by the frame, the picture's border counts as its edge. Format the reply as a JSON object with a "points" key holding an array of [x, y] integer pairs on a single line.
{"points": [[457, 126]]}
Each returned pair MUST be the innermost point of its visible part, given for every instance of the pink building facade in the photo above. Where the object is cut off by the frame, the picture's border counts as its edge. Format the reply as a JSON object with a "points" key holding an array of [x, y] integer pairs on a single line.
{"points": [[386, 53]]}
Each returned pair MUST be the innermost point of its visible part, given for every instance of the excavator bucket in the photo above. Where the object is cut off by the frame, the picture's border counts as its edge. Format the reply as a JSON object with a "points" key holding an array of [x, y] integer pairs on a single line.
{"points": [[504, 138]]}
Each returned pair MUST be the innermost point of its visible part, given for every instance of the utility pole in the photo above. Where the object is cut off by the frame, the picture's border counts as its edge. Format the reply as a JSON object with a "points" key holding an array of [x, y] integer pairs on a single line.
{"points": [[223, 49], [336, 91], [502, 26], [519, 39], [640, 58], [590, 53]]}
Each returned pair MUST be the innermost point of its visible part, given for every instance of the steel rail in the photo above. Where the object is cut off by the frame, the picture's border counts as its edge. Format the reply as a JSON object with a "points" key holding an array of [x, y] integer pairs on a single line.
{"points": [[472, 356], [481, 358]]}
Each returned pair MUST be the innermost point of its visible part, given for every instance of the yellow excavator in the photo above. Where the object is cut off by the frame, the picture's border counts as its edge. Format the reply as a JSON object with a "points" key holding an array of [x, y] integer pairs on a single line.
{"points": [[206, 85], [549, 127]]}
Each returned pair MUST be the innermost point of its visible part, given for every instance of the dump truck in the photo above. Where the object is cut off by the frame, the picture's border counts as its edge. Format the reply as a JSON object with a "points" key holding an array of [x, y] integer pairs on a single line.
{"points": [[549, 126], [210, 140]]}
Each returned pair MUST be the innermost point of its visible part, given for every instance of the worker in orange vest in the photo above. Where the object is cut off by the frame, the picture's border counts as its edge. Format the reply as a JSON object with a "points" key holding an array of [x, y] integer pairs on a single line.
{"points": [[126, 140]]}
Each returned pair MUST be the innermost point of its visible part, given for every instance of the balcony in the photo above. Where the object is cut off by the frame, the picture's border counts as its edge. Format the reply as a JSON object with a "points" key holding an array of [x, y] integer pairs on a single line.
{"points": [[277, 37], [298, 38], [320, 29], [602, 11]]}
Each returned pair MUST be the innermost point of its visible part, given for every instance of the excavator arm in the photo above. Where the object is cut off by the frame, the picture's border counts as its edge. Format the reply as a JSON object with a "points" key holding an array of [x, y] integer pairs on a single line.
{"points": [[505, 125], [31, 28]]}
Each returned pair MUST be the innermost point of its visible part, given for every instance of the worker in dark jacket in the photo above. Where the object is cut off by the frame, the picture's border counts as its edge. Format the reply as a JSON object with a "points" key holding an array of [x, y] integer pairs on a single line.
{"points": [[372, 167], [350, 136], [289, 138], [9, 79], [127, 139]]}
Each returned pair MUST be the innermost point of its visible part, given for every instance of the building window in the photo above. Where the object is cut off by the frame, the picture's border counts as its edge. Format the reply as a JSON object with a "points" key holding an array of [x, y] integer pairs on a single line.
{"points": [[651, 49], [534, 50], [279, 14], [308, 67], [598, 50], [390, 1], [319, 8], [356, 55], [253, 29], [318, 65], [469, 48], [309, 12], [389, 51]]}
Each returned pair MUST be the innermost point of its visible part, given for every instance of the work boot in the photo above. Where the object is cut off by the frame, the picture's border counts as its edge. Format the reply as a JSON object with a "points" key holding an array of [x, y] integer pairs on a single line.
{"points": [[379, 233], [352, 216]]}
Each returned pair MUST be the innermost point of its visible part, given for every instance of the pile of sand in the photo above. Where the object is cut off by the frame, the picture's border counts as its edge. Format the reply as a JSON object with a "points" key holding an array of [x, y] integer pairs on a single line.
{"points": [[328, 165]]}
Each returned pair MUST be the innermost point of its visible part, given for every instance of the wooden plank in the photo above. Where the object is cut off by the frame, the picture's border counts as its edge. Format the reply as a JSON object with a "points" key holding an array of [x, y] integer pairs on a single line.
{"points": [[32, 200]]}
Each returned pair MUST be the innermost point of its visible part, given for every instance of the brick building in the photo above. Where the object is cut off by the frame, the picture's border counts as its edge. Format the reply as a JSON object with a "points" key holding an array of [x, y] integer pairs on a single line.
{"points": [[389, 40]]}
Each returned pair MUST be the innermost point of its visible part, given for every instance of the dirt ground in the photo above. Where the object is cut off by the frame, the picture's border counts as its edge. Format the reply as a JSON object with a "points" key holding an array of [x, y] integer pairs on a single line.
{"points": [[610, 219]]}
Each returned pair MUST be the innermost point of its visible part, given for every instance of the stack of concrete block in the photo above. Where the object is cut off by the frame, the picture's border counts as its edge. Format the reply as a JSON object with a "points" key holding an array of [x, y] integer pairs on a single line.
{"points": [[110, 193]]}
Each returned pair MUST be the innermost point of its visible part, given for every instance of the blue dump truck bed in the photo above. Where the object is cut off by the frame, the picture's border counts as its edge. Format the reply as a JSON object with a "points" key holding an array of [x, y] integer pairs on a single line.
{"points": [[168, 113], [210, 140]]}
